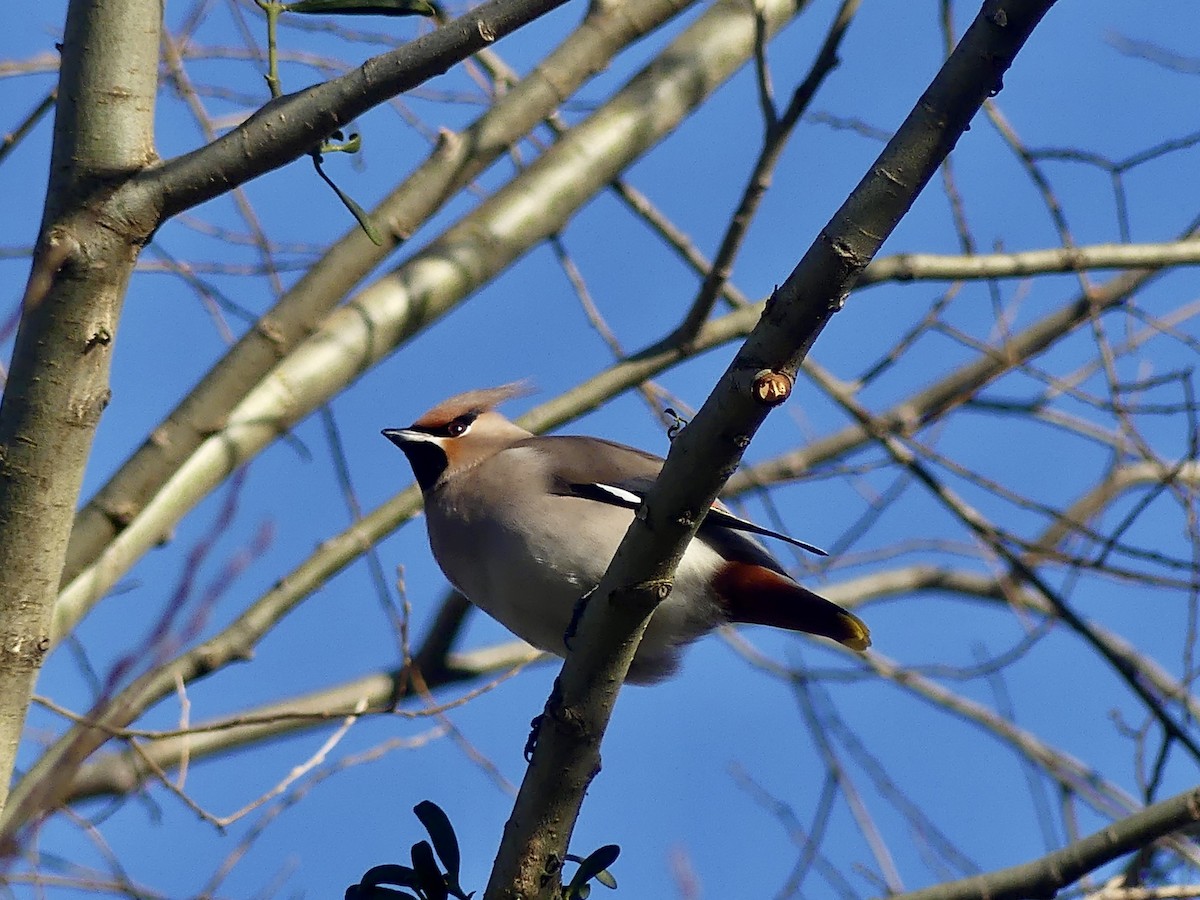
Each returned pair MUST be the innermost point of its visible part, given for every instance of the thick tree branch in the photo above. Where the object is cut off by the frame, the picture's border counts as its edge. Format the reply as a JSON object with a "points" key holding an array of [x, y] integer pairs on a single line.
{"points": [[567, 755]]}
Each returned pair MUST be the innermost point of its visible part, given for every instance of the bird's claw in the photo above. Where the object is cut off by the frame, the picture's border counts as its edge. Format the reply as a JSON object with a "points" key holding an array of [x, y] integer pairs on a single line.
{"points": [[535, 726]]}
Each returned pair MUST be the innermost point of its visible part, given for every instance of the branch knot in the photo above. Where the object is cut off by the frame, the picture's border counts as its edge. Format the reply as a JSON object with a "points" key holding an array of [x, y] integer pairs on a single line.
{"points": [[770, 387]]}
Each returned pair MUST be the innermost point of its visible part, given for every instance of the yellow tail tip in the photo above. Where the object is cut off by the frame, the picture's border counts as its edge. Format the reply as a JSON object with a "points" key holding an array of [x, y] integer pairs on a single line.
{"points": [[859, 637]]}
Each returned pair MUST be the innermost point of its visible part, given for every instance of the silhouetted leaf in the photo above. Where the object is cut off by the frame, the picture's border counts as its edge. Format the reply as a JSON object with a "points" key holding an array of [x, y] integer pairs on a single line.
{"points": [[594, 867], [605, 877], [391, 874], [445, 843], [374, 892], [432, 884]]}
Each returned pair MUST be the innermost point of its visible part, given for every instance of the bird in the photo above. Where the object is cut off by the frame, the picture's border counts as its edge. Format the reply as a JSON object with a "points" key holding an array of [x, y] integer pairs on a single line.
{"points": [[524, 526]]}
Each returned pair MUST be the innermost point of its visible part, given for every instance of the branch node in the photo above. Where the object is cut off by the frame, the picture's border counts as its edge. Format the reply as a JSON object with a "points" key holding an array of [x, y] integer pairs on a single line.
{"points": [[770, 387], [101, 337], [448, 141], [997, 16], [632, 595], [120, 514], [273, 334]]}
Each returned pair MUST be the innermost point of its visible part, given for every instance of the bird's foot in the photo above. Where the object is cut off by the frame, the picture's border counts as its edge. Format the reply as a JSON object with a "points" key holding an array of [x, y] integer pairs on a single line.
{"points": [[535, 726]]}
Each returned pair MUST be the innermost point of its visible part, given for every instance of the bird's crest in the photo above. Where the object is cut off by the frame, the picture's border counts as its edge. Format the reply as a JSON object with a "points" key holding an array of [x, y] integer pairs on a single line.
{"points": [[472, 402]]}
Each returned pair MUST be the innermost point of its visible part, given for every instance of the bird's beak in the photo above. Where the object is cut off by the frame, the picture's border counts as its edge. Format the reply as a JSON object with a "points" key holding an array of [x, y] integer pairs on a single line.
{"points": [[402, 436]]}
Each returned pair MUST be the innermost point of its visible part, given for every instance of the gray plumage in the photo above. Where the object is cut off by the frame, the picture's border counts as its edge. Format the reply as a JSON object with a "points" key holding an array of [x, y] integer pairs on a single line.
{"points": [[524, 526]]}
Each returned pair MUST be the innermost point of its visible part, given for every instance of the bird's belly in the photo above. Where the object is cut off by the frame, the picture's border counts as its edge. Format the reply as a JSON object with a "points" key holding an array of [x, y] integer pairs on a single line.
{"points": [[532, 585], [526, 579]]}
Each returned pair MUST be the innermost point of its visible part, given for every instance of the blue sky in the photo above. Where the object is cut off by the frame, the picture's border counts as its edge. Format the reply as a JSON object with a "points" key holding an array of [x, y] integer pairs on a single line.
{"points": [[675, 756]]}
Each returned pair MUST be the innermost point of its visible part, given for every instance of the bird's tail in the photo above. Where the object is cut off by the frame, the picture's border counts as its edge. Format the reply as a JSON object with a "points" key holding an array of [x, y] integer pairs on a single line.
{"points": [[755, 595]]}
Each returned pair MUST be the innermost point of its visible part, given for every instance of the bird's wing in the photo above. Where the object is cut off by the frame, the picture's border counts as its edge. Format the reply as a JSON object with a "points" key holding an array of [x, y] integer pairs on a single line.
{"points": [[719, 515], [618, 475]]}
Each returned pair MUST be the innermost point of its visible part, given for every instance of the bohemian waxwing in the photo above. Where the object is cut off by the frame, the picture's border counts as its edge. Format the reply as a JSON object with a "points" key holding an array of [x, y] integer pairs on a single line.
{"points": [[525, 526]]}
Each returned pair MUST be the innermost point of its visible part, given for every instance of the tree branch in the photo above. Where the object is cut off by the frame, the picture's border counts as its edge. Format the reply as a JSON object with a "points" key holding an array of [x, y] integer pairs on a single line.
{"points": [[957, 267], [953, 389], [567, 755], [286, 128], [1044, 877], [122, 772], [777, 131]]}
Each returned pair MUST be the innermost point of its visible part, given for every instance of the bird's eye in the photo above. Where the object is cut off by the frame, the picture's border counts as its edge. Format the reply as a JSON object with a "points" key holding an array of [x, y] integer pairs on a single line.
{"points": [[458, 427]]}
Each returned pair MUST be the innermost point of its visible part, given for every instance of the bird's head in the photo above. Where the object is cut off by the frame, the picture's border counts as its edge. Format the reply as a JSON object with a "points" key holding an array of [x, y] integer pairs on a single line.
{"points": [[458, 434]]}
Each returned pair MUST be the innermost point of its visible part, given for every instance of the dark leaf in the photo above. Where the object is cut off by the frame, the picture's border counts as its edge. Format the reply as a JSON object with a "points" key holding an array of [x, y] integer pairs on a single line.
{"points": [[594, 867], [437, 823], [391, 874], [374, 892], [605, 877], [361, 7], [432, 883]]}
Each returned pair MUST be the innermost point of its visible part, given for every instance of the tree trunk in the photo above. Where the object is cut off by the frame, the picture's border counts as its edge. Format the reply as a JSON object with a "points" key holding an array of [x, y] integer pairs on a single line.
{"points": [[58, 384]]}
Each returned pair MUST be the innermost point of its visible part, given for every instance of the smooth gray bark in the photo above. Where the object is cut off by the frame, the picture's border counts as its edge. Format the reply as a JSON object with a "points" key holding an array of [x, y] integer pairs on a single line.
{"points": [[58, 382]]}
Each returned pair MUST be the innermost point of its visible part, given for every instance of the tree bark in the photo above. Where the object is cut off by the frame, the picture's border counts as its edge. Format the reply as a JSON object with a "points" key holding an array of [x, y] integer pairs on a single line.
{"points": [[58, 383]]}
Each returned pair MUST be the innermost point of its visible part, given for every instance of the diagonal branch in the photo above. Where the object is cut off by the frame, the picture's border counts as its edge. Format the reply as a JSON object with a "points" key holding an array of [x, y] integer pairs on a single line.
{"points": [[934, 401], [778, 130], [287, 128], [1022, 569], [567, 754], [1043, 878]]}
